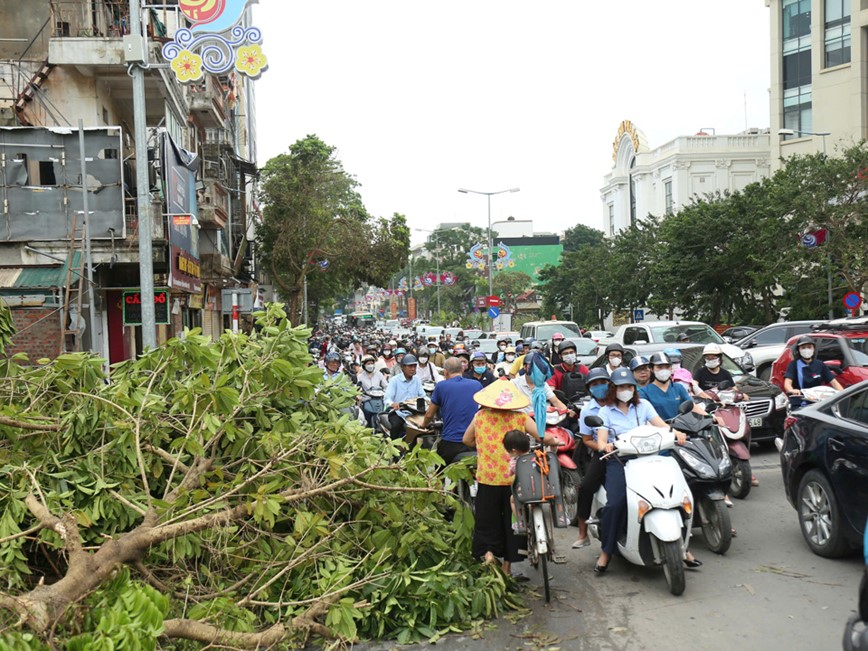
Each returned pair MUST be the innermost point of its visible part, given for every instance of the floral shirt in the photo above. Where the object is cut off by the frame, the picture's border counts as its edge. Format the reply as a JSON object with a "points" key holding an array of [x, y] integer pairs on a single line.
{"points": [[492, 462]]}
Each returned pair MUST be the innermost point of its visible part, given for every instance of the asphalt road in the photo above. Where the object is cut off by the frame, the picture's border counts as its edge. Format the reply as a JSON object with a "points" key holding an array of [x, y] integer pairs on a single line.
{"points": [[769, 591]]}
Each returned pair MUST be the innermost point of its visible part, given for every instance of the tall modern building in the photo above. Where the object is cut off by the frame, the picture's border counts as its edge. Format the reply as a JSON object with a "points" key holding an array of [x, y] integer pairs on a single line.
{"points": [[645, 181], [819, 90], [62, 61]]}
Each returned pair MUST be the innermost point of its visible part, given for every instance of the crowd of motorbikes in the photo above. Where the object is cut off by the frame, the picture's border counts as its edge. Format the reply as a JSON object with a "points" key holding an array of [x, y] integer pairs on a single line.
{"points": [[672, 490]]}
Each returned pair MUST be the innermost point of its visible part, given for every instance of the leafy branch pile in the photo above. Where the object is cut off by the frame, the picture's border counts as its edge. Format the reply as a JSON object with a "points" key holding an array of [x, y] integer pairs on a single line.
{"points": [[214, 493]]}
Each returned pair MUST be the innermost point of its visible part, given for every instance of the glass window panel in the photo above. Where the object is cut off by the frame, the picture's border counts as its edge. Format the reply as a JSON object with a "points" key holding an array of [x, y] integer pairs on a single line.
{"points": [[834, 10]]}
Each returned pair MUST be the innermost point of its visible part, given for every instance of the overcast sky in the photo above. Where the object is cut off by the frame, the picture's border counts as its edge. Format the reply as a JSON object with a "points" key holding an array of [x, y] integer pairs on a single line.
{"points": [[421, 98]]}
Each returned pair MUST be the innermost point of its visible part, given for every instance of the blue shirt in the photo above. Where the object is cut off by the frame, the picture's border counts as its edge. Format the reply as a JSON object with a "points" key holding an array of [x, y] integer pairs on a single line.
{"points": [[401, 389], [590, 409], [665, 403], [454, 397], [617, 422]]}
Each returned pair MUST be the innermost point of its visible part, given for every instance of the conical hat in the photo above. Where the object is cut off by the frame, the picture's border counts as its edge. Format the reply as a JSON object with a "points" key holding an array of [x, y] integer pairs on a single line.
{"points": [[501, 394]]}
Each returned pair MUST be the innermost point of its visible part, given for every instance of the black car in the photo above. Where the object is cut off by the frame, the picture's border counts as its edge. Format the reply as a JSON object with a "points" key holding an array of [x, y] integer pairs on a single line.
{"points": [[824, 461], [767, 407], [738, 332]]}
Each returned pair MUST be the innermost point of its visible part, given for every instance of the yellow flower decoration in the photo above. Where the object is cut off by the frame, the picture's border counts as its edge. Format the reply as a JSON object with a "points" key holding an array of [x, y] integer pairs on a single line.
{"points": [[512, 263], [187, 66], [251, 61], [469, 265]]}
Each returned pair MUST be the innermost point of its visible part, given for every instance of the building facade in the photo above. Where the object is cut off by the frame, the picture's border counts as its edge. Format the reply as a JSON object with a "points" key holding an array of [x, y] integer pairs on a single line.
{"points": [[62, 61], [818, 89], [645, 181]]}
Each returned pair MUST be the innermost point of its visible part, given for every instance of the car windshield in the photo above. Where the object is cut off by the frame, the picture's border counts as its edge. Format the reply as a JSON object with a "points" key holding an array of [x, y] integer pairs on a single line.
{"points": [[546, 331], [859, 348], [697, 333]]}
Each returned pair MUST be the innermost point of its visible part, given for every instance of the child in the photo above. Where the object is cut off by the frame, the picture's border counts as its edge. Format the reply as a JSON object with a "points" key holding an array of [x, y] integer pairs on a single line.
{"points": [[516, 443]]}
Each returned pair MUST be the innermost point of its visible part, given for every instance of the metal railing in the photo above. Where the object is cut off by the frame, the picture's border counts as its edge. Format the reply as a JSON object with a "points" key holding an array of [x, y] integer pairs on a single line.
{"points": [[108, 19]]}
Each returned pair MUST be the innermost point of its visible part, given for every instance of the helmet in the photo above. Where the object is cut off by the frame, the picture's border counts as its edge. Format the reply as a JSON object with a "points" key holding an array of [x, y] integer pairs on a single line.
{"points": [[673, 354], [614, 348], [565, 345], [658, 359], [622, 376], [393, 343], [332, 357], [367, 358], [502, 340], [638, 361], [557, 336], [400, 351], [536, 345], [712, 349], [475, 343], [478, 355], [409, 360], [510, 349], [597, 374], [461, 352], [804, 340]]}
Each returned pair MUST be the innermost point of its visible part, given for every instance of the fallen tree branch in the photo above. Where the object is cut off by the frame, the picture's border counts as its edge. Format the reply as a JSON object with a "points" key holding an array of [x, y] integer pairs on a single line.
{"points": [[21, 534], [65, 527], [165, 456], [20, 424]]}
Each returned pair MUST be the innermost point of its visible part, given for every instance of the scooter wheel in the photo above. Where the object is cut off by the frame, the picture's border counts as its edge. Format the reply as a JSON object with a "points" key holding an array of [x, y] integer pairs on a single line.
{"points": [[716, 524], [673, 565], [741, 474]]}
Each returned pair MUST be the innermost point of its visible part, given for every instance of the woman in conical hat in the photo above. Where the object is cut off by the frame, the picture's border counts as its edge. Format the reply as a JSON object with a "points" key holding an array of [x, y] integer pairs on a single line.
{"points": [[500, 404]]}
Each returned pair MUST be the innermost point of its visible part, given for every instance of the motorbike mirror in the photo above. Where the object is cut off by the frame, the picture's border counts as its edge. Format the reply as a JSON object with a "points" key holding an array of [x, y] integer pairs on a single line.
{"points": [[593, 421], [685, 407]]}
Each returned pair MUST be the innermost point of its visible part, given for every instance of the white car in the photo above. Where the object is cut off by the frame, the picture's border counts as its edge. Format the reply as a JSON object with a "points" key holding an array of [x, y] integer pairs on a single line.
{"points": [[599, 335], [661, 332]]}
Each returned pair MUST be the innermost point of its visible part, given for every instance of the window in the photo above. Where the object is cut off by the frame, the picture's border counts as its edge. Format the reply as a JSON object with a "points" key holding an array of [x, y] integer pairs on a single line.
{"points": [[771, 337], [796, 65], [632, 335], [829, 349], [611, 219], [837, 36], [667, 195], [855, 408]]}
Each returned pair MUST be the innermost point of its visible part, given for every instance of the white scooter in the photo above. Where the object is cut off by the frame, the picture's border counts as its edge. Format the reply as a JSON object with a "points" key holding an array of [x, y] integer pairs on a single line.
{"points": [[659, 502]]}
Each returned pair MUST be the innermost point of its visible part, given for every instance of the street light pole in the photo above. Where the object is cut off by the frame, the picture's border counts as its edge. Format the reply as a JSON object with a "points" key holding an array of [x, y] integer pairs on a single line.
{"points": [[490, 245]]}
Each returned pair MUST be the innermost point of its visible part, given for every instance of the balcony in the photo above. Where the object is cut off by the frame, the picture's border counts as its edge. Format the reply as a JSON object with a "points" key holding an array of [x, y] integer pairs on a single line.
{"points": [[214, 206], [206, 103], [215, 266]]}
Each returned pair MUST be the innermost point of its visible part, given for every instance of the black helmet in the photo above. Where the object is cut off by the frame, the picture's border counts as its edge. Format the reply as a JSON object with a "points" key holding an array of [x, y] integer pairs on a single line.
{"points": [[614, 348], [566, 344], [638, 362], [658, 359], [332, 357], [804, 340]]}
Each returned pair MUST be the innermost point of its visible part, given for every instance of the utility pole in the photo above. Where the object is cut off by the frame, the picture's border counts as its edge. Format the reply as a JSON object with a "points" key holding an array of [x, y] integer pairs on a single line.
{"points": [[136, 56]]}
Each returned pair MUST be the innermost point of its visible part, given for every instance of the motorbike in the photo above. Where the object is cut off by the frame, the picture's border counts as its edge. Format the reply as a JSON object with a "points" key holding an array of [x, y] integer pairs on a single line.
{"points": [[659, 502], [570, 477], [732, 423], [708, 471], [373, 406]]}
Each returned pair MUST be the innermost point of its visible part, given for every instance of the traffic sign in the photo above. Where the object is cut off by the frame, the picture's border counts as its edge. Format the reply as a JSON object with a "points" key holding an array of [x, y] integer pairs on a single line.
{"points": [[494, 312], [852, 301], [494, 301], [638, 315]]}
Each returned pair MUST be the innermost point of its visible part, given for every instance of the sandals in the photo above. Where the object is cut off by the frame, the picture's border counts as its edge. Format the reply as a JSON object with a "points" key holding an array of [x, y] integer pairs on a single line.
{"points": [[754, 481]]}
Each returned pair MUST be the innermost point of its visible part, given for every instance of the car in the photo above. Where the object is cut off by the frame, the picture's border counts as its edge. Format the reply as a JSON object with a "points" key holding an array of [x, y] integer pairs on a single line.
{"points": [[586, 350], [842, 344], [659, 332], [733, 334], [475, 333], [766, 344], [511, 336], [824, 460], [599, 335], [765, 411], [487, 346], [544, 330]]}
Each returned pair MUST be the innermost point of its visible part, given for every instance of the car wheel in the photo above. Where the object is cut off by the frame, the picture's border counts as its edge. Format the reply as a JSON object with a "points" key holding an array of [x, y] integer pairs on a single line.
{"points": [[820, 516], [765, 373]]}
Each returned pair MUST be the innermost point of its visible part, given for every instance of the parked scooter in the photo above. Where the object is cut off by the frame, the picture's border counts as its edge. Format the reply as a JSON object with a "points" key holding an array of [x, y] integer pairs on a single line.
{"points": [[733, 425], [708, 471], [570, 478], [659, 502]]}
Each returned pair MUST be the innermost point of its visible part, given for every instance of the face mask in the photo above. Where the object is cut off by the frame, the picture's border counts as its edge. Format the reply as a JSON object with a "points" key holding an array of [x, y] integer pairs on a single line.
{"points": [[614, 362], [712, 363], [570, 359], [676, 366], [501, 347], [432, 349], [625, 395], [663, 374], [479, 370], [807, 352], [387, 353], [599, 391], [369, 368], [423, 360], [510, 358]]}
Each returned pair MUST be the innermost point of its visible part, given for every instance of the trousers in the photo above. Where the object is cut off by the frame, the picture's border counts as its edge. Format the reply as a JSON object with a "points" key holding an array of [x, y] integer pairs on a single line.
{"points": [[614, 516]]}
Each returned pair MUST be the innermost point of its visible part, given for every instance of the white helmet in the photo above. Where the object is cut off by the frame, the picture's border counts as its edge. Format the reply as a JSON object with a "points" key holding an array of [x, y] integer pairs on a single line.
{"points": [[712, 349]]}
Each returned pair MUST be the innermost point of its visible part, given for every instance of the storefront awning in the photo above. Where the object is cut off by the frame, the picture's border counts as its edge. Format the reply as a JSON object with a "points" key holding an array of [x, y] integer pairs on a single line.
{"points": [[32, 277]]}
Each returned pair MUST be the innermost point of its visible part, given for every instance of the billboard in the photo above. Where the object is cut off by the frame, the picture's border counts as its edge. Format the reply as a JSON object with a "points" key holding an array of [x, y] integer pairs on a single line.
{"points": [[179, 168]]}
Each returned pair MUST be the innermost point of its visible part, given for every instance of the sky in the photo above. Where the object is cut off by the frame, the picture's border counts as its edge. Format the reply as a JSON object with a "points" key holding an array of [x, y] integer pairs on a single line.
{"points": [[422, 98]]}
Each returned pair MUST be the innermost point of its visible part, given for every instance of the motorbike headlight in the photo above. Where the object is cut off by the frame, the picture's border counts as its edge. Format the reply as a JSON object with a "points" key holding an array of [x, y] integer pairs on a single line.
{"points": [[781, 401], [647, 444], [700, 467]]}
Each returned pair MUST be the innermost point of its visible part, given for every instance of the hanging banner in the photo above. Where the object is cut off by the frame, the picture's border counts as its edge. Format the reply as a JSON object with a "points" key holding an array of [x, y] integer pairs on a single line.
{"points": [[503, 257], [417, 284], [179, 172], [448, 278], [429, 279], [476, 257]]}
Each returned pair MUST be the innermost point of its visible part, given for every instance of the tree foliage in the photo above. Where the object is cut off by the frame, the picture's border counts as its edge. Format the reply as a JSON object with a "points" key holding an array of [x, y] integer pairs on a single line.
{"points": [[313, 216], [215, 492], [732, 257]]}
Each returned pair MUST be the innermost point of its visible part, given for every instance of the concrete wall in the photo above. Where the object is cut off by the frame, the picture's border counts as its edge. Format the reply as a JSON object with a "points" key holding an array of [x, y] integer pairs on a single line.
{"points": [[22, 19]]}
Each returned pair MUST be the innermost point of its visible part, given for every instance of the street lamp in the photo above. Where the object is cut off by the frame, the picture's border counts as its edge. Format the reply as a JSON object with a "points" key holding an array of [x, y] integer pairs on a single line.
{"points": [[436, 261], [792, 132], [490, 246]]}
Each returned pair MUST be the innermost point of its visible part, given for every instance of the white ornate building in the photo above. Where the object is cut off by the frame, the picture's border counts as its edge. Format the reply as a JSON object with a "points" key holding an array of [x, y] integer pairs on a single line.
{"points": [[647, 181]]}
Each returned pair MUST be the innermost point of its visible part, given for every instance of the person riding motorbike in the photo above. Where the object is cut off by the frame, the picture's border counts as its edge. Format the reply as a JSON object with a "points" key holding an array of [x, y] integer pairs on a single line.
{"points": [[569, 375], [370, 378], [434, 355], [386, 360], [679, 374], [625, 411], [463, 354], [502, 368], [500, 354], [663, 394], [453, 399], [597, 382], [552, 348], [399, 355], [806, 371], [426, 371], [525, 383], [332, 366], [478, 369], [712, 375], [404, 386], [641, 367]]}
